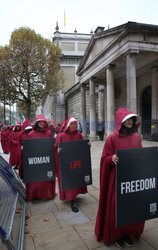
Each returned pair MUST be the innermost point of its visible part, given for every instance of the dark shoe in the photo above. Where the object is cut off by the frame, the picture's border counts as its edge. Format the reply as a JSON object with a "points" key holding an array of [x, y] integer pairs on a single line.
{"points": [[16, 168], [128, 242], [120, 242], [74, 207]]}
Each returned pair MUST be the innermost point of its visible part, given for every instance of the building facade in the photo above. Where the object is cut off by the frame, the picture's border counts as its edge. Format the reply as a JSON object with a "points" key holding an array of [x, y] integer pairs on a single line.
{"points": [[73, 46], [119, 69]]}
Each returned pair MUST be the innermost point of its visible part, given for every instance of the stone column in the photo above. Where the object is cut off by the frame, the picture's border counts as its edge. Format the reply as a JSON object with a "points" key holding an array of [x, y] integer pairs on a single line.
{"points": [[101, 89], [110, 123], [131, 81], [83, 110], [92, 109], [101, 103], [105, 112], [54, 103]]}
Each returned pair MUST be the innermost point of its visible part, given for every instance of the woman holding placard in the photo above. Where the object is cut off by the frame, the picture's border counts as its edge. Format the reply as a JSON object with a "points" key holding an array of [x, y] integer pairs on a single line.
{"points": [[125, 136], [46, 189], [70, 133]]}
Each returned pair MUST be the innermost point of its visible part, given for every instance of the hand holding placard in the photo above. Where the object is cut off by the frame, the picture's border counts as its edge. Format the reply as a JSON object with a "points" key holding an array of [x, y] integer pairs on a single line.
{"points": [[58, 149], [115, 159]]}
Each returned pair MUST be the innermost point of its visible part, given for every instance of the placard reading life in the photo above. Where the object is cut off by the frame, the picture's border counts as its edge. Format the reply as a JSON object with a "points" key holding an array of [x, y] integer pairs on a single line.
{"points": [[75, 164]]}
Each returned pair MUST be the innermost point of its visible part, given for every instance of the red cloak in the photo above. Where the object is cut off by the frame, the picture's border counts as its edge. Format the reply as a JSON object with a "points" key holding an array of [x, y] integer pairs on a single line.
{"points": [[105, 228], [57, 169], [24, 134], [5, 139], [10, 132], [45, 189], [14, 140], [64, 137]]}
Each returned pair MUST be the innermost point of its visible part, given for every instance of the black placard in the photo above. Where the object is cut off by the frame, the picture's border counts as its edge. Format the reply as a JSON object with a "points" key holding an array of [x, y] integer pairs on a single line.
{"points": [[38, 159], [137, 187], [75, 164]]}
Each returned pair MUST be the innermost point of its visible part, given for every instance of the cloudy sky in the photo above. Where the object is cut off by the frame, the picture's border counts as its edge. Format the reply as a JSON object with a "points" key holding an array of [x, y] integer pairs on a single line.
{"points": [[84, 15]]}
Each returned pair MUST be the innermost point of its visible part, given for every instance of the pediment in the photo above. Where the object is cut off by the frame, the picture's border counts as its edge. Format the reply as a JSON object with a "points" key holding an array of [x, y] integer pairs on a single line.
{"points": [[103, 41], [98, 44]]}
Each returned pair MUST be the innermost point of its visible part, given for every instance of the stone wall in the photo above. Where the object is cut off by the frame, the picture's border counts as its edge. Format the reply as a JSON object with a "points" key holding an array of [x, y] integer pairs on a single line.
{"points": [[68, 76], [73, 105], [54, 108], [67, 46], [48, 111]]}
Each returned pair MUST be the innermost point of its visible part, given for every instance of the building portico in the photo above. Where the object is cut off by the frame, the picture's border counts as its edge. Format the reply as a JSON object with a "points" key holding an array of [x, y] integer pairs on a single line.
{"points": [[124, 61]]}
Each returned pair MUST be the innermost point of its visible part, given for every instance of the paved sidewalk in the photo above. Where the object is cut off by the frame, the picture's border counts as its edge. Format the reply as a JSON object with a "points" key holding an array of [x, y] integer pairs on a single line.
{"points": [[53, 226]]}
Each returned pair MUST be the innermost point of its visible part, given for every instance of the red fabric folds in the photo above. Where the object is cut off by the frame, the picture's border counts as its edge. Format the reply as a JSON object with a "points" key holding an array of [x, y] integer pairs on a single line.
{"points": [[14, 140], [24, 134], [105, 228], [46, 189], [64, 137], [5, 139]]}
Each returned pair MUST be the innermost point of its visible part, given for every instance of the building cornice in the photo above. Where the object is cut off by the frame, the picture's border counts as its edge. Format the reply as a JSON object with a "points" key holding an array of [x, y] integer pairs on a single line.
{"points": [[130, 27], [72, 90]]}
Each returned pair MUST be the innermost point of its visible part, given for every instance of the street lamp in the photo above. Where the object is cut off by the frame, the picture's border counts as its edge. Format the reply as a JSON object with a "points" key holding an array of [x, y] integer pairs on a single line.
{"points": [[3, 69]]}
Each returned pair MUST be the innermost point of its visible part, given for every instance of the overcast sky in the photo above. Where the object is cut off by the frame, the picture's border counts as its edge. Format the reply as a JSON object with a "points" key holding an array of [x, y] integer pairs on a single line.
{"points": [[84, 15]]}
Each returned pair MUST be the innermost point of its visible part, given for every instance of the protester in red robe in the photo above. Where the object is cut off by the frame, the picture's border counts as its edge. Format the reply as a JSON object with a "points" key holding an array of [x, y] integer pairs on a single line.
{"points": [[125, 136], [62, 126], [5, 139], [46, 189], [57, 169], [10, 132], [14, 140], [24, 134], [70, 134]]}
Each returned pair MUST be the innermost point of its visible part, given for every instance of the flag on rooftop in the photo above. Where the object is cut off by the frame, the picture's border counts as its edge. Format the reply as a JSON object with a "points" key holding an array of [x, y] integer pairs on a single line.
{"points": [[64, 18]]}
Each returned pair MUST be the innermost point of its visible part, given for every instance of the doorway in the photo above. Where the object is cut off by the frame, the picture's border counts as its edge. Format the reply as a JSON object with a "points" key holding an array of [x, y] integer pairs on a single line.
{"points": [[146, 113]]}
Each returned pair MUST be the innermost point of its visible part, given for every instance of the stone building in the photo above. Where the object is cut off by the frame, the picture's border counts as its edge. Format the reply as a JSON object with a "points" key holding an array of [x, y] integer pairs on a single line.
{"points": [[119, 69], [73, 46]]}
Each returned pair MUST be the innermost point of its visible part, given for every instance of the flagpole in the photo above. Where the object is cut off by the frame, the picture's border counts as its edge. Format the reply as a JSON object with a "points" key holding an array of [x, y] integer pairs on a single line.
{"points": [[64, 21]]}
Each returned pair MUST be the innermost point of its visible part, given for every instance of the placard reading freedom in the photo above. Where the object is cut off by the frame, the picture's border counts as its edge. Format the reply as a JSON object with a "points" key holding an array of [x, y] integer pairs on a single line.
{"points": [[137, 187], [38, 159], [75, 164]]}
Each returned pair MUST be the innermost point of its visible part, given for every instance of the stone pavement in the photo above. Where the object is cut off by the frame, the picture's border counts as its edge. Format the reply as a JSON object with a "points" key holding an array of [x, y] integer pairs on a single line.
{"points": [[53, 226]]}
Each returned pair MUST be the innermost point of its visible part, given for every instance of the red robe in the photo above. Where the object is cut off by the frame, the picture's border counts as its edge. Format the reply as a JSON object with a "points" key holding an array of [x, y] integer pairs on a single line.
{"points": [[9, 136], [105, 228], [64, 137], [14, 140], [24, 134], [5, 140], [57, 169], [45, 189]]}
